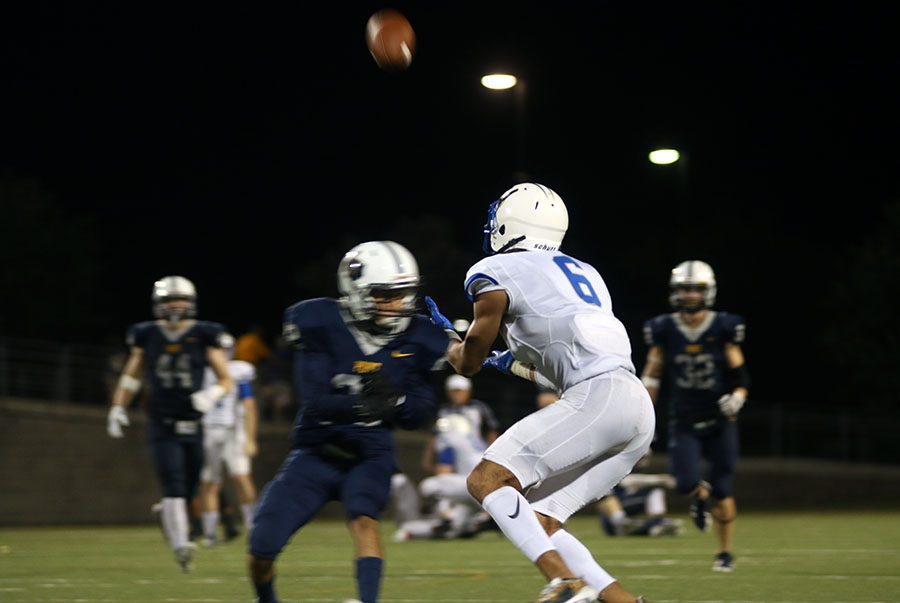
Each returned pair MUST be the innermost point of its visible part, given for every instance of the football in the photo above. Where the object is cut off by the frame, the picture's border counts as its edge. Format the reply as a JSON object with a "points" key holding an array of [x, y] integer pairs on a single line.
{"points": [[391, 40]]}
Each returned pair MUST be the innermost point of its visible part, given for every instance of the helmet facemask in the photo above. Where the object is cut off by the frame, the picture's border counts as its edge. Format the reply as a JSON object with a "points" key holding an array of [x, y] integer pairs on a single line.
{"points": [[174, 289], [689, 278], [379, 282]]}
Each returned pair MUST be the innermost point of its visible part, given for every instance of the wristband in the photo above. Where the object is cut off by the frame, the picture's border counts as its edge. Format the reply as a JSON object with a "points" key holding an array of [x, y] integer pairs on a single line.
{"points": [[649, 381], [129, 383]]}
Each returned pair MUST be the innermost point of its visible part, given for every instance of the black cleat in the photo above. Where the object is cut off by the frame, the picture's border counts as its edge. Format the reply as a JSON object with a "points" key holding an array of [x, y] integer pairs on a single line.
{"points": [[699, 515], [724, 562]]}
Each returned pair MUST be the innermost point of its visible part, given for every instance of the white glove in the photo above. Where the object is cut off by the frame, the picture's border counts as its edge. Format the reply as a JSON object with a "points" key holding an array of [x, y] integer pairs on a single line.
{"points": [[204, 399], [116, 419], [730, 404]]}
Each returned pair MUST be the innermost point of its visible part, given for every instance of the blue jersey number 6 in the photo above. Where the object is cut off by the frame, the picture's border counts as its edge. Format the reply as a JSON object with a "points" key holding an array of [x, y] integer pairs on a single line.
{"points": [[579, 281]]}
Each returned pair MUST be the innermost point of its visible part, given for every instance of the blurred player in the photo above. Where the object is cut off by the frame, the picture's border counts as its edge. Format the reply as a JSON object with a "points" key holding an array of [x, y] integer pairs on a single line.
{"points": [[362, 365], [461, 403], [229, 439], [463, 430], [695, 359], [555, 314], [637, 507], [172, 352]]}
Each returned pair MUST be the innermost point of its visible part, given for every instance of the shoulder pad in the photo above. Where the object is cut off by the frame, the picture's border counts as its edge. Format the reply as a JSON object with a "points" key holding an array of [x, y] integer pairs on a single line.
{"points": [[309, 315], [137, 333], [482, 277]]}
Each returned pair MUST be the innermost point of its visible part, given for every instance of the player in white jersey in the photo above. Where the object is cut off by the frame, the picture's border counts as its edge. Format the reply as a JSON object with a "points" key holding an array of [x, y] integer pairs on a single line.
{"points": [[462, 426], [229, 441], [555, 314]]}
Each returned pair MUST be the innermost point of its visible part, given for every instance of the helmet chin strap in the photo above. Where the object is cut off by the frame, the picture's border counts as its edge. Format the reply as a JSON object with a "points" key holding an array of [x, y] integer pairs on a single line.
{"points": [[693, 309], [510, 243]]}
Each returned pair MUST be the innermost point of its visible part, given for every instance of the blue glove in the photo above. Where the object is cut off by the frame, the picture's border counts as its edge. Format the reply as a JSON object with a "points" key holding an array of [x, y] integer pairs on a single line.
{"points": [[436, 316], [499, 360]]}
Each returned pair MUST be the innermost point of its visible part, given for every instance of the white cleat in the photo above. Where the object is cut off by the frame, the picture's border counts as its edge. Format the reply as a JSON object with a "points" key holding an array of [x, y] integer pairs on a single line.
{"points": [[184, 555], [567, 590]]}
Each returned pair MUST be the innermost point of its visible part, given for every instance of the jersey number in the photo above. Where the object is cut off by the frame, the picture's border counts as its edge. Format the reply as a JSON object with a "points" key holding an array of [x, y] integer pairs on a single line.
{"points": [[697, 371], [353, 383], [171, 368], [578, 280]]}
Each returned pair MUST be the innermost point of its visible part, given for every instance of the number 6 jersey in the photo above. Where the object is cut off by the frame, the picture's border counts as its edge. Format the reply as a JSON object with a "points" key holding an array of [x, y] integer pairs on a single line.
{"points": [[560, 316]]}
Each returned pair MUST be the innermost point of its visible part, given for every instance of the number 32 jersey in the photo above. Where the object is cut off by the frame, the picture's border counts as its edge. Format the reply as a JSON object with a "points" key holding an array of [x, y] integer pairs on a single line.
{"points": [[695, 364], [560, 316]]}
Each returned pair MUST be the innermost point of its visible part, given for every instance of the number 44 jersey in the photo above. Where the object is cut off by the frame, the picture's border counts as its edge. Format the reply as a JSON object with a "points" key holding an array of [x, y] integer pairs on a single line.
{"points": [[560, 316], [174, 363]]}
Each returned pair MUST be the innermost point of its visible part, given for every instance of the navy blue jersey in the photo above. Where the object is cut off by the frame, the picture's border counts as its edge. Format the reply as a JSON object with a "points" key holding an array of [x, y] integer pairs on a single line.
{"points": [[174, 362], [694, 374], [331, 359]]}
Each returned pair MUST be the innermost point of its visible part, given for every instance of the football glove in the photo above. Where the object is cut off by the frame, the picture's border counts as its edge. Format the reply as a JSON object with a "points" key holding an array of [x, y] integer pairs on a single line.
{"points": [[376, 402], [499, 360], [203, 400], [730, 404], [436, 316], [116, 419]]}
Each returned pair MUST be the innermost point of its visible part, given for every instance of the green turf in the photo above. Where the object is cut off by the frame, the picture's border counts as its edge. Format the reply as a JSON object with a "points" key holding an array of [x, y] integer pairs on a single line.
{"points": [[789, 557]]}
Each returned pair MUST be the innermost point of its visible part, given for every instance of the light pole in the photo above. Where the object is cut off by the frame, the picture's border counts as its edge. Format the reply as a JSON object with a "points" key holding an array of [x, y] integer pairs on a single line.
{"points": [[507, 81]]}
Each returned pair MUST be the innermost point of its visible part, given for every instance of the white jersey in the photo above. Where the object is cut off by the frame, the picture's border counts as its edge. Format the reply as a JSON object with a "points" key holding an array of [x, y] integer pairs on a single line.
{"points": [[560, 316], [227, 412]]}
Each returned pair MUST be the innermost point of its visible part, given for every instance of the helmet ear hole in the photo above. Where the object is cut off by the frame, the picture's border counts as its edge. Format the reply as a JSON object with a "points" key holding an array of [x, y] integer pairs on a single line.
{"points": [[502, 229]]}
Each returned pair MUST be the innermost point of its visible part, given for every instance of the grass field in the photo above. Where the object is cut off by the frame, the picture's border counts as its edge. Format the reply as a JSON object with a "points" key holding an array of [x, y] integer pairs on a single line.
{"points": [[785, 557]]}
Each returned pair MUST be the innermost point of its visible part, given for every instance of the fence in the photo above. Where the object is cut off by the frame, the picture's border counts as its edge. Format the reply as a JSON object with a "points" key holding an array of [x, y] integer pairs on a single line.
{"points": [[80, 373]]}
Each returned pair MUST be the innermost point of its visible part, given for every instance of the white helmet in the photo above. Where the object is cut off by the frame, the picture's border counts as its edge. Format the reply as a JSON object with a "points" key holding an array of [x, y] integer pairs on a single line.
{"points": [[527, 216], [170, 288], [692, 273], [379, 267]]}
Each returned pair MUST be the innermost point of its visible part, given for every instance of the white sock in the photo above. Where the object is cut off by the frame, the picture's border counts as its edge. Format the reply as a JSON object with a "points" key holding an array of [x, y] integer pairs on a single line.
{"points": [[517, 520], [175, 521], [655, 503], [579, 559], [247, 512], [210, 523], [406, 499]]}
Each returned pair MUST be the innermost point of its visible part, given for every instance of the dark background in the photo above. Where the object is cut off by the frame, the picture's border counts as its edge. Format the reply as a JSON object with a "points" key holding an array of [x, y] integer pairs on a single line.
{"points": [[247, 146]]}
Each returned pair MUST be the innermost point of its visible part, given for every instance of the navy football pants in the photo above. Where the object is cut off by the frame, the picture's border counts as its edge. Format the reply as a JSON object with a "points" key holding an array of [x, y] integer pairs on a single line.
{"points": [[689, 447], [304, 484], [178, 460]]}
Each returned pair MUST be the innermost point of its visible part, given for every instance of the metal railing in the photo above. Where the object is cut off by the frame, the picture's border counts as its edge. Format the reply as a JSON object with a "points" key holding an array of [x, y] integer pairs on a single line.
{"points": [[84, 373]]}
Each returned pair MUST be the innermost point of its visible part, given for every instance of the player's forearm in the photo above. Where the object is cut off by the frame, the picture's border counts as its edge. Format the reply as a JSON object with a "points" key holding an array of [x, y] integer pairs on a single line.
{"points": [[466, 357], [417, 409], [251, 419], [129, 383], [334, 408]]}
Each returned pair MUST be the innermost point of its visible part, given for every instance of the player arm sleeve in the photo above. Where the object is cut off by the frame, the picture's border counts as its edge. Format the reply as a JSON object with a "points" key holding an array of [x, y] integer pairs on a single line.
{"points": [[418, 405], [320, 401]]}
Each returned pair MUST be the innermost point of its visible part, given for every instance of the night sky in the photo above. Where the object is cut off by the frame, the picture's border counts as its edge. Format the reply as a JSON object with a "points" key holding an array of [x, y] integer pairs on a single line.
{"points": [[246, 146]]}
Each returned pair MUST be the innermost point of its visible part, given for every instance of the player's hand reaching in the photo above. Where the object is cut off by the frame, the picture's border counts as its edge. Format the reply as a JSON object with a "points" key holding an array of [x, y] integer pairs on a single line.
{"points": [[116, 419], [377, 401], [502, 361], [731, 404], [436, 316]]}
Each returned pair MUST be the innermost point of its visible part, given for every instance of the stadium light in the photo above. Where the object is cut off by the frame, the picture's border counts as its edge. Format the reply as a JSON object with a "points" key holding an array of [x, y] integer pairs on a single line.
{"points": [[499, 81], [664, 156]]}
